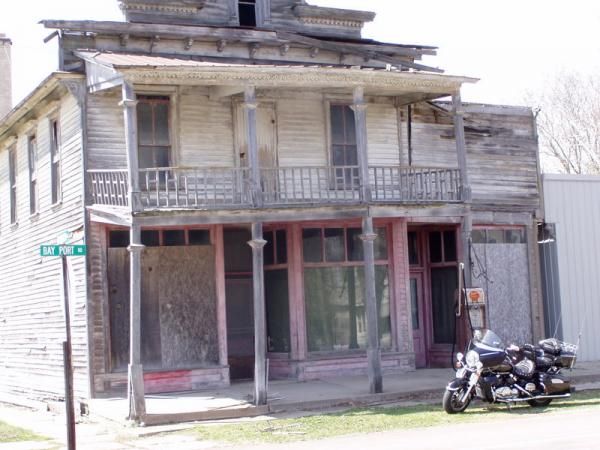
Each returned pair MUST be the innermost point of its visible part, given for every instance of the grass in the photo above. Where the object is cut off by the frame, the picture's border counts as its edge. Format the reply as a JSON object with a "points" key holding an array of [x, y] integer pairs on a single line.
{"points": [[8, 433], [370, 420]]}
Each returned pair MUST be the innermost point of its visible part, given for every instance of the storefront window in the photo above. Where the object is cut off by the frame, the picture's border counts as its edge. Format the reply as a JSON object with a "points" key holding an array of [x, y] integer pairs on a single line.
{"points": [[334, 289]]}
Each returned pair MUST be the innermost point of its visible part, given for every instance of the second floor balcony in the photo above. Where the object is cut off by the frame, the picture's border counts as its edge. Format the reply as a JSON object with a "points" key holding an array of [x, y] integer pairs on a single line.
{"points": [[215, 188]]}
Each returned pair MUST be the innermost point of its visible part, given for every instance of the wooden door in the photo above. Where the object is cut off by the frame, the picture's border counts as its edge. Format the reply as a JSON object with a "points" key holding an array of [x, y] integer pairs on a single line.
{"points": [[266, 134], [418, 319]]}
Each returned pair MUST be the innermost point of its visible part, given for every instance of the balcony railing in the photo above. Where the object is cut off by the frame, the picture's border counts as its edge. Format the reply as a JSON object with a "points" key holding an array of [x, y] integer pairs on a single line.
{"points": [[217, 188], [195, 188], [109, 187]]}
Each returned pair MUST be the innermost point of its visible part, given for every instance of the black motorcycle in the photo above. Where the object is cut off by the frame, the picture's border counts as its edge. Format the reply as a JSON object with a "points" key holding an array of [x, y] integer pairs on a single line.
{"points": [[498, 374]]}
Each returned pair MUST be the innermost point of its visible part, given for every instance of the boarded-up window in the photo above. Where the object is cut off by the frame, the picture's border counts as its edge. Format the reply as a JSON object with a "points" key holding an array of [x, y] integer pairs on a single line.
{"points": [[178, 307]]}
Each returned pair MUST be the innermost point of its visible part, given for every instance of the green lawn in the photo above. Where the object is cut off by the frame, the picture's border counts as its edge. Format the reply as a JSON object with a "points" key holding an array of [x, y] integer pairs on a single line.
{"points": [[8, 433], [369, 420]]}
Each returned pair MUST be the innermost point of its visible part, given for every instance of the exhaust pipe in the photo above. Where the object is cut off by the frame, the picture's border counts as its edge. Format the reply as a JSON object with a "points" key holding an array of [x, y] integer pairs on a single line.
{"points": [[538, 397]]}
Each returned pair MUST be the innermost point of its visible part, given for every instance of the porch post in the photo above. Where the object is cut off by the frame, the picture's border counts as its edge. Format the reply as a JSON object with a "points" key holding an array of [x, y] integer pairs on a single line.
{"points": [[373, 351], [360, 117], [461, 152], [250, 106], [135, 384], [129, 104], [260, 328]]}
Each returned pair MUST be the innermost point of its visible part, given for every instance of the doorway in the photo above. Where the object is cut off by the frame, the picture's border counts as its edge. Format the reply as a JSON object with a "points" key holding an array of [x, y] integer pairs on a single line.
{"points": [[266, 135], [433, 263], [239, 303]]}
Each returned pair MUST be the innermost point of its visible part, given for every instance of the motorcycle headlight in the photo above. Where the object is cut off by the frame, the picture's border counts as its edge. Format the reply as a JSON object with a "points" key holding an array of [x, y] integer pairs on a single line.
{"points": [[459, 356], [472, 358]]}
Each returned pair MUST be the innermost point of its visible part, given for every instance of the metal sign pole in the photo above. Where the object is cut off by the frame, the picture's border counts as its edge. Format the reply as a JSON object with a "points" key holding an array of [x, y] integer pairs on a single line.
{"points": [[67, 358]]}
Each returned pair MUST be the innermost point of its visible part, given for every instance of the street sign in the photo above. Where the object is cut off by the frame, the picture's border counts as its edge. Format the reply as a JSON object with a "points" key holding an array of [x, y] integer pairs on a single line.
{"points": [[63, 250]]}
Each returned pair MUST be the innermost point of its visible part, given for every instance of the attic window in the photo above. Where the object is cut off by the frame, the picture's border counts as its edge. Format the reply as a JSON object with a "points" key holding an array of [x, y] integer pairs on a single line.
{"points": [[247, 13]]}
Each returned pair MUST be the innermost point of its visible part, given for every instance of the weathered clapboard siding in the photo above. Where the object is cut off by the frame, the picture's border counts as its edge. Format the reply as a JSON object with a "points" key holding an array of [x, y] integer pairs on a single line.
{"points": [[31, 315], [106, 132], [283, 16], [205, 131], [301, 131], [501, 152], [382, 134]]}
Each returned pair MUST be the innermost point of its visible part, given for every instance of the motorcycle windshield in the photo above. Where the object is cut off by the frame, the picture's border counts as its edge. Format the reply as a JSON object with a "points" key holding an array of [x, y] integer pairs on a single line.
{"points": [[488, 337]]}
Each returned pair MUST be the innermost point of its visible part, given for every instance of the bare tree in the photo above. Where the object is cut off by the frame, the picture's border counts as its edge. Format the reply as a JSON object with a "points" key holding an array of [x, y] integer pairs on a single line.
{"points": [[569, 123]]}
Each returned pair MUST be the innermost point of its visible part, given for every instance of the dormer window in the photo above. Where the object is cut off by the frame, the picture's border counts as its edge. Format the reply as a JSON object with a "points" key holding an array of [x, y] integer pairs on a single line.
{"points": [[247, 13]]}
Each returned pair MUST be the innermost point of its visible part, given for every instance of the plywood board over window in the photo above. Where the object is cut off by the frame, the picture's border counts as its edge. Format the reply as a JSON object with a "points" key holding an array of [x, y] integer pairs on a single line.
{"points": [[179, 311]]}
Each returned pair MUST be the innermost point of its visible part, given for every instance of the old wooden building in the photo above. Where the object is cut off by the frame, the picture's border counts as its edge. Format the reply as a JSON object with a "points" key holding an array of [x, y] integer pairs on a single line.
{"points": [[262, 191]]}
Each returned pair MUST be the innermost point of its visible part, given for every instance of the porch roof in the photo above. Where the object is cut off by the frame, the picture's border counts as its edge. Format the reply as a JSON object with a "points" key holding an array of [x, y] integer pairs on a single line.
{"points": [[108, 69]]}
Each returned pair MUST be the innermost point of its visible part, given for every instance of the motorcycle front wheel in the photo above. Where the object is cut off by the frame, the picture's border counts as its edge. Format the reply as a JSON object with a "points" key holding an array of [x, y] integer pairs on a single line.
{"points": [[452, 403]]}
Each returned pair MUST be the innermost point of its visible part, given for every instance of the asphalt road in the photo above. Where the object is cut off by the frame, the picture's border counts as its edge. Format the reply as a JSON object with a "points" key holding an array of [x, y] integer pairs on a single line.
{"points": [[549, 430]]}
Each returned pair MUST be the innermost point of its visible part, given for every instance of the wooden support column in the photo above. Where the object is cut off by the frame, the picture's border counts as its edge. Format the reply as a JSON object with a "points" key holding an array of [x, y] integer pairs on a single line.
{"points": [[129, 104], [217, 238], [135, 385], [360, 118], [461, 153], [373, 351], [250, 106], [260, 326]]}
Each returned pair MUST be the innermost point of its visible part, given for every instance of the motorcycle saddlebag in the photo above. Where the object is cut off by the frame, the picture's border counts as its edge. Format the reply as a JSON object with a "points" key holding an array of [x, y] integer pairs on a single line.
{"points": [[557, 385], [551, 346]]}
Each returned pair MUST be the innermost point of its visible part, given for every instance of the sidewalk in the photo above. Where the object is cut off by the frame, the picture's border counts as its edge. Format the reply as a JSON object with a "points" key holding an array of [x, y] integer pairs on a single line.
{"points": [[285, 396], [98, 433]]}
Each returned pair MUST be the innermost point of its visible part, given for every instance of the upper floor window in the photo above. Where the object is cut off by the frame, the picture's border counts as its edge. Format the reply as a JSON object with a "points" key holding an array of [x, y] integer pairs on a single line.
{"points": [[55, 166], [154, 141], [343, 145], [247, 13], [12, 178], [33, 181]]}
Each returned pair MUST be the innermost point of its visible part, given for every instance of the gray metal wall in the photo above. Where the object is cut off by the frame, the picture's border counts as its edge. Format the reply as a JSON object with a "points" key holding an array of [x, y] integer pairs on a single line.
{"points": [[572, 203]]}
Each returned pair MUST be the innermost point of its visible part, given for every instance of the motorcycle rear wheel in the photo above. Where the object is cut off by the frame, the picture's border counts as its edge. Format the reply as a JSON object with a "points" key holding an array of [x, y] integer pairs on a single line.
{"points": [[451, 401], [539, 403]]}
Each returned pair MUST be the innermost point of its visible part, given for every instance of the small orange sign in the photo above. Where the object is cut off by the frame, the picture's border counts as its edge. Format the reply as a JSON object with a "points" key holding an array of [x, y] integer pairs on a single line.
{"points": [[476, 296]]}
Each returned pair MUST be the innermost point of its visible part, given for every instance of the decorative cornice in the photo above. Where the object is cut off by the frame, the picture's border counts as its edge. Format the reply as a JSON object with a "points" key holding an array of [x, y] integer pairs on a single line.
{"points": [[183, 8], [331, 22], [300, 77]]}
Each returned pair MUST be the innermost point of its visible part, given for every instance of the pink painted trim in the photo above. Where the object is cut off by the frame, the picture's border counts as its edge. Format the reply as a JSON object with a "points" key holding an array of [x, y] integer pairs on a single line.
{"points": [[296, 285]]}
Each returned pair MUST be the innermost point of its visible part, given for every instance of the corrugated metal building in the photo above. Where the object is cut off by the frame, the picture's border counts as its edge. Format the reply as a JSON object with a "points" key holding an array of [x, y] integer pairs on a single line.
{"points": [[572, 272]]}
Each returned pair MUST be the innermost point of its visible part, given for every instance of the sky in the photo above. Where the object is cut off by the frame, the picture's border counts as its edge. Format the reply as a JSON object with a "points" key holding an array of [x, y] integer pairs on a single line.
{"points": [[514, 47]]}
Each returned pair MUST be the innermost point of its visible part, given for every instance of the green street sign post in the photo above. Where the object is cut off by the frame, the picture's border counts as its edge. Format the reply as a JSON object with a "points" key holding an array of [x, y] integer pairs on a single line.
{"points": [[64, 251]]}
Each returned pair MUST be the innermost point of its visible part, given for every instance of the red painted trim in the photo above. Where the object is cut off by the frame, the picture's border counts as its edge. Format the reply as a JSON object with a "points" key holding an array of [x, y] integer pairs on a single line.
{"points": [[401, 326], [297, 304]]}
